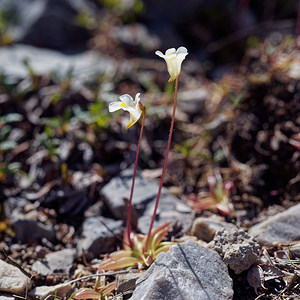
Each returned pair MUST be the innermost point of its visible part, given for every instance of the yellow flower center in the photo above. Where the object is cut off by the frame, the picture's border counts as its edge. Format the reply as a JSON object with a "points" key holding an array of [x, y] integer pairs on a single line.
{"points": [[123, 105]]}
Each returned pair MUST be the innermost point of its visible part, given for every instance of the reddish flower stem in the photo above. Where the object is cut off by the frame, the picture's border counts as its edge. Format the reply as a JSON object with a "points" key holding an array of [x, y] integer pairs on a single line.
{"points": [[164, 166], [128, 227]]}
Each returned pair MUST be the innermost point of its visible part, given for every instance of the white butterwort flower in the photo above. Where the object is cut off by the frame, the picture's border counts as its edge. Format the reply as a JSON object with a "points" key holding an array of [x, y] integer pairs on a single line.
{"points": [[174, 59], [134, 107]]}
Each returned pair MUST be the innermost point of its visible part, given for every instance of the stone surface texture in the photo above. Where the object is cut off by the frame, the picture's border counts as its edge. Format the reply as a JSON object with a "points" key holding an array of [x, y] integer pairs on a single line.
{"points": [[42, 292], [237, 248], [99, 236], [59, 261], [12, 280], [205, 228], [186, 271], [44, 61], [282, 227]]}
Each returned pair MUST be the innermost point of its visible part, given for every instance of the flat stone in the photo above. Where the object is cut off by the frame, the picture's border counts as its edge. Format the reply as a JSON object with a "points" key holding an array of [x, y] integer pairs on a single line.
{"points": [[28, 228], [99, 236], [44, 61], [59, 261], [282, 227], [126, 282], [42, 292], [47, 23], [237, 248], [4, 296], [144, 197], [186, 271], [205, 228], [12, 280]]}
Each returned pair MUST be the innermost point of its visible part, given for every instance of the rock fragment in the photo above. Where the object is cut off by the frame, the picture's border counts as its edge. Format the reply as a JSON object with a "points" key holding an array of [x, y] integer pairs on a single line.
{"points": [[237, 248], [99, 236], [282, 227], [12, 280], [59, 261], [205, 228]]}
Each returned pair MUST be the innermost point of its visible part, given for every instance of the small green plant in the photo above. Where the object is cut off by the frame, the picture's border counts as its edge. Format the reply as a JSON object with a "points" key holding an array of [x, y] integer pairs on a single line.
{"points": [[7, 169], [101, 291], [218, 197], [50, 143], [134, 253]]}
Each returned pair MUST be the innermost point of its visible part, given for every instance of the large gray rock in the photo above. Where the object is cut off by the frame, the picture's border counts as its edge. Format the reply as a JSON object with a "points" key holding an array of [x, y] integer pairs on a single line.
{"points": [[282, 227], [12, 280], [59, 261], [144, 197], [44, 61], [186, 271], [237, 248], [99, 236], [46, 23]]}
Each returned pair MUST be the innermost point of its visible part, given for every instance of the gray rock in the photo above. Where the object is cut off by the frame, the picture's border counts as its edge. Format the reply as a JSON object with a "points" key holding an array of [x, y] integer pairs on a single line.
{"points": [[12, 279], [28, 228], [42, 292], [186, 271], [237, 248], [135, 37], [99, 236], [145, 191], [5, 296], [126, 282], [44, 61], [59, 261], [13, 202], [205, 228], [46, 23], [282, 227]]}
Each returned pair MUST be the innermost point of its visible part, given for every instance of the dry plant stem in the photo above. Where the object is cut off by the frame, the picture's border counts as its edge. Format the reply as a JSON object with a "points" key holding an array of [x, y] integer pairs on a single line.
{"points": [[128, 227], [165, 164]]}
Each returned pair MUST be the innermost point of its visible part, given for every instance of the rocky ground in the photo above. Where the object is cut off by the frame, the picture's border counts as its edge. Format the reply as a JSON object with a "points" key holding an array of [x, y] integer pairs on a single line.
{"points": [[66, 166]]}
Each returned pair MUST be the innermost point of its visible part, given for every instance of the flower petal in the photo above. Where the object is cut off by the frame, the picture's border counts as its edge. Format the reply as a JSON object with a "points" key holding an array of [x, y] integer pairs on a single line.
{"points": [[116, 105], [171, 51], [127, 99], [160, 54], [137, 98], [135, 115], [181, 50]]}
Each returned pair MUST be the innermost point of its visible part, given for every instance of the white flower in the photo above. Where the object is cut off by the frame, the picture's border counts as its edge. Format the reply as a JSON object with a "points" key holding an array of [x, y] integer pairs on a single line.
{"points": [[128, 104], [174, 60]]}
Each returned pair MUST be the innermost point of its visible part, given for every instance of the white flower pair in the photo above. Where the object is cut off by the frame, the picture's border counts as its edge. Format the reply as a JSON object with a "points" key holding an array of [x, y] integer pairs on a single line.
{"points": [[174, 59]]}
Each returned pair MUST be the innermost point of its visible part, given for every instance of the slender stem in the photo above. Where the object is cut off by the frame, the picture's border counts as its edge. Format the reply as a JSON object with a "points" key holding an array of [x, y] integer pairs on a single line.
{"points": [[164, 166], [128, 227]]}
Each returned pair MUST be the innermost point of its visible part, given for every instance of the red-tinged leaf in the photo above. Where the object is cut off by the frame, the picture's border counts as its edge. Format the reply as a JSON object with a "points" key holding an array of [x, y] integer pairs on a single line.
{"points": [[121, 263], [223, 208], [165, 226], [163, 248], [120, 254], [108, 288], [160, 235], [205, 203], [87, 294]]}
